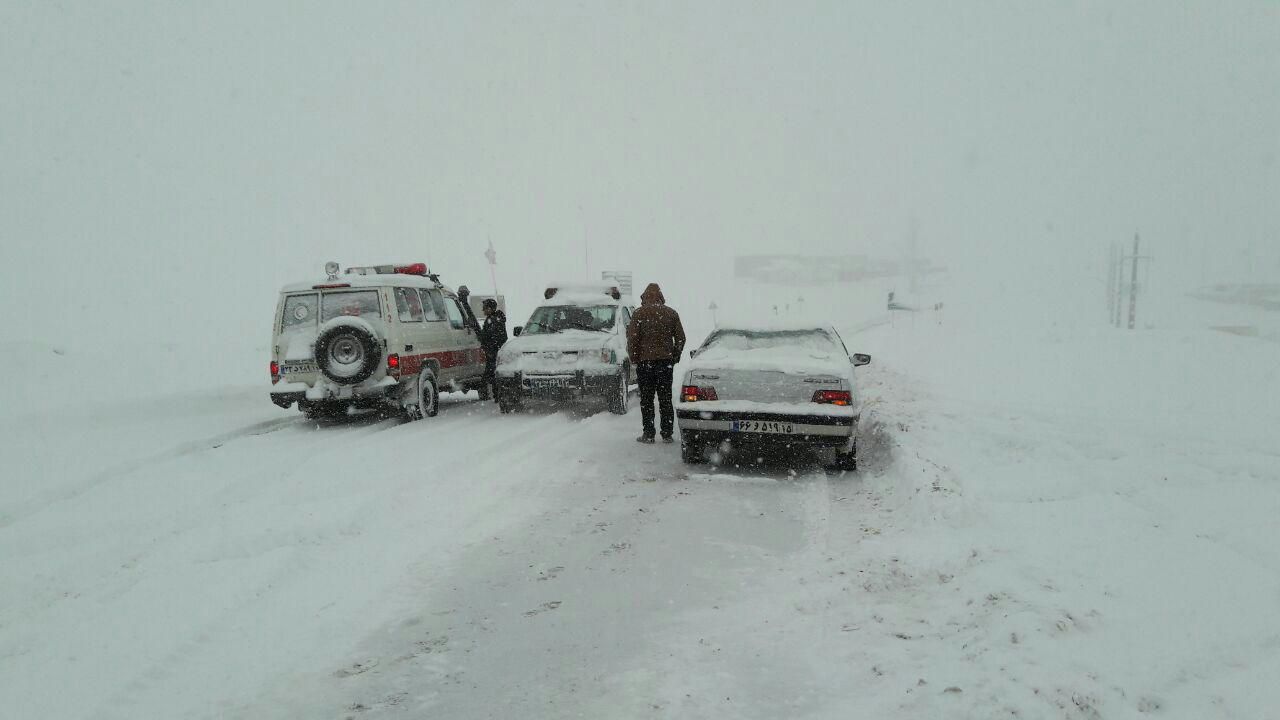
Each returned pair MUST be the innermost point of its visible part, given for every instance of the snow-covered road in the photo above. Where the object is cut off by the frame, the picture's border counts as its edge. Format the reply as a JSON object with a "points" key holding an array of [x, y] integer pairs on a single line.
{"points": [[1013, 547]]}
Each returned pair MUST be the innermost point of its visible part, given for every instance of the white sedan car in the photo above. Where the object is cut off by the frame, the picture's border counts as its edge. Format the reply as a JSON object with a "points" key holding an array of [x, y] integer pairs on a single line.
{"points": [[773, 389]]}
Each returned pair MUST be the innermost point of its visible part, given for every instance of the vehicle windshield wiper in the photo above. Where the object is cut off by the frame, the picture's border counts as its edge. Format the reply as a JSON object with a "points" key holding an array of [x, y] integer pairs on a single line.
{"points": [[592, 328]]}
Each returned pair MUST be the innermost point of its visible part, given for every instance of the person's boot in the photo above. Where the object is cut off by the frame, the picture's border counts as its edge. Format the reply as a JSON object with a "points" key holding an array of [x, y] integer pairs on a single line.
{"points": [[646, 439]]}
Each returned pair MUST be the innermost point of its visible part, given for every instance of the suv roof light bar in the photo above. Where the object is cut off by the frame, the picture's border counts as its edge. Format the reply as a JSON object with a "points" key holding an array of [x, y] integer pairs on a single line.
{"points": [[418, 268]]}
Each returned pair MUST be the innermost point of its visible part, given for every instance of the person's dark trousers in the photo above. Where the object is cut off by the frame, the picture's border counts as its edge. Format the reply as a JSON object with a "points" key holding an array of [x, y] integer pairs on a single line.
{"points": [[655, 379], [491, 371]]}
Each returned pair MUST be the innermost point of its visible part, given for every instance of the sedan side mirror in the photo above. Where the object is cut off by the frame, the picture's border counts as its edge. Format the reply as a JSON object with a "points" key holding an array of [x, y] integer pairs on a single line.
{"points": [[517, 330], [693, 354], [859, 359]]}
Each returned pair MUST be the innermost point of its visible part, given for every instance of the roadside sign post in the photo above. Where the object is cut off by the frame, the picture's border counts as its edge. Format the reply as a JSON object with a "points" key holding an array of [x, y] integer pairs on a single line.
{"points": [[492, 257]]}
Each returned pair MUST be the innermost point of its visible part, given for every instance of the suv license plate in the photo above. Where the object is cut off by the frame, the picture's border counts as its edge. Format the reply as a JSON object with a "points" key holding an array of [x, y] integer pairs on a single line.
{"points": [[297, 368], [762, 426], [549, 383]]}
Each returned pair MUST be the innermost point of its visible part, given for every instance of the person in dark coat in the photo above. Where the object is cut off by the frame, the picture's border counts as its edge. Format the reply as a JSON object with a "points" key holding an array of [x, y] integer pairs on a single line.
{"points": [[655, 341], [493, 335]]}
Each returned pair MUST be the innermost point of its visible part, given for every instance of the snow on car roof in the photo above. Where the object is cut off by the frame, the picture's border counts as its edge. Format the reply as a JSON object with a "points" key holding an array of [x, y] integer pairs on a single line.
{"points": [[577, 293], [803, 358], [366, 281], [777, 326]]}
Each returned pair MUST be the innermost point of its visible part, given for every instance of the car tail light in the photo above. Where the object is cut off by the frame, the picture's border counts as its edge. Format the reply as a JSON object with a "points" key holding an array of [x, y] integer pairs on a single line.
{"points": [[393, 362], [275, 372], [693, 393], [833, 397]]}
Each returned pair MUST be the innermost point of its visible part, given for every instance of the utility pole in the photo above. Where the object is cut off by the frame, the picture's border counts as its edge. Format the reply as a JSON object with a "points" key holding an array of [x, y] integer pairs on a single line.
{"points": [[1133, 284], [1113, 282]]}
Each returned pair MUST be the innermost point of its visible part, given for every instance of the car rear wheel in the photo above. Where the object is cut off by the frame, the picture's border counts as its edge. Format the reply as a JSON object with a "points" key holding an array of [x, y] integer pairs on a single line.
{"points": [[691, 448], [620, 396], [847, 461]]}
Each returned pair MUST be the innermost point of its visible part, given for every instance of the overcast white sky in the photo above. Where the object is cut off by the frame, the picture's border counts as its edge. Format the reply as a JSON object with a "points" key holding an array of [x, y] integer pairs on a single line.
{"points": [[177, 162]]}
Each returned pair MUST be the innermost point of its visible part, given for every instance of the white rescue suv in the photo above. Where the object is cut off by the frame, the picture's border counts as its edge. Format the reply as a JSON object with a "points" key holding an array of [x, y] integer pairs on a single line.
{"points": [[573, 347], [378, 337]]}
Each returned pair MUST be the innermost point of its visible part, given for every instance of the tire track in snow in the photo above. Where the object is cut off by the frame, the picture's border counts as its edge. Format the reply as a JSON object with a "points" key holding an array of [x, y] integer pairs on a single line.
{"points": [[388, 506]]}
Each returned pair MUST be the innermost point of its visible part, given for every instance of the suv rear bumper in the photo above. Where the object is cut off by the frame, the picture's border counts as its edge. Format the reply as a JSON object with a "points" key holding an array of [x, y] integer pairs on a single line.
{"points": [[366, 394], [287, 399]]}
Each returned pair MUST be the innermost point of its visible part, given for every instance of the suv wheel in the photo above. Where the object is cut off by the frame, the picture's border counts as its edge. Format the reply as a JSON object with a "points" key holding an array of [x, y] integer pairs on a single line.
{"points": [[508, 403], [620, 396], [347, 354], [427, 397]]}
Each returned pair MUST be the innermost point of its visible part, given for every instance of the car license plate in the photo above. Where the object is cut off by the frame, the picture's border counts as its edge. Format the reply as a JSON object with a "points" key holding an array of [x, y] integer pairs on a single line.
{"points": [[297, 368], [762, 426], [549, 383]]}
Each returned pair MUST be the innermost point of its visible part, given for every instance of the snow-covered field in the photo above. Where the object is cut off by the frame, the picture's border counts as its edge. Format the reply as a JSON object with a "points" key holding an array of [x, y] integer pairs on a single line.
{"points": [[1053, 520]]}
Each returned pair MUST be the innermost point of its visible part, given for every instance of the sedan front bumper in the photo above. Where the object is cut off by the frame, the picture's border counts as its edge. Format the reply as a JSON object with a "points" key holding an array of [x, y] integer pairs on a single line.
{"points": [[564, 386]]}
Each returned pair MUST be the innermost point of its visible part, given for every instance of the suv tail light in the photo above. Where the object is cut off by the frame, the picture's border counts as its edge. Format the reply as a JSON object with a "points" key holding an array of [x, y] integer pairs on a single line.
{"points": [[275, 372], [833, 397], [693, 393], [393, 363]]}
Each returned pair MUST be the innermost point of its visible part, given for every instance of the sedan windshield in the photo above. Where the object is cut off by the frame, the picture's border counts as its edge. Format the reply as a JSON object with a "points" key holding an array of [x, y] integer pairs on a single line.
{"points": [[557, 318]]}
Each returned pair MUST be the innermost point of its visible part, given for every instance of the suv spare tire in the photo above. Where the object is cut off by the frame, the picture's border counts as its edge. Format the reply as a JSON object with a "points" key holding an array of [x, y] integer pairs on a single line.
{"points": [[347, 353]]}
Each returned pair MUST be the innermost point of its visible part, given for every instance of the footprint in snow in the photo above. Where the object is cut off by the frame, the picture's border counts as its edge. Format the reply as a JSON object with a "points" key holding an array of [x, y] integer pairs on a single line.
{"points": [[544, 607], [357, 669]]}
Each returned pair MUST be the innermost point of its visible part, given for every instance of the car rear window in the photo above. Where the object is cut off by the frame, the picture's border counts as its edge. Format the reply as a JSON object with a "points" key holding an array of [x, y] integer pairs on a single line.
{"points": [[747, 340], [357, 303]]}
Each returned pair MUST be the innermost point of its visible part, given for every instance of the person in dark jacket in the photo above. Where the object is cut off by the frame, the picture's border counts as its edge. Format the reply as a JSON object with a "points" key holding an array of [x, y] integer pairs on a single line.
{"points": [[655, 341], [493, 335]]}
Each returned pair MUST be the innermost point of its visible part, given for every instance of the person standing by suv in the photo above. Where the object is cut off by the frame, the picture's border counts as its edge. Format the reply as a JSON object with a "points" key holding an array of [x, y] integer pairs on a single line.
{"points": [[655, 340], [493, 335]]}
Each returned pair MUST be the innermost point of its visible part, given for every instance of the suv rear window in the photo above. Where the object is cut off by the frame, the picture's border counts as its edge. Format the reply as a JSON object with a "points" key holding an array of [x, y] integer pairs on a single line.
{"points": [[299, 311], [359, 303]]}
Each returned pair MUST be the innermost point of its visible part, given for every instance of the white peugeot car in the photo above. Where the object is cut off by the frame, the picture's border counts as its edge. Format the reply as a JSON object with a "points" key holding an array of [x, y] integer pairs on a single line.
{"points": [[573, 347], [774, 389], [385, 336]]}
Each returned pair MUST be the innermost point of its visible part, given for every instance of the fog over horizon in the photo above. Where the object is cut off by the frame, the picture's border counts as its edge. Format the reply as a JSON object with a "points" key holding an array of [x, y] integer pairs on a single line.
{"points": [[172, 166]]}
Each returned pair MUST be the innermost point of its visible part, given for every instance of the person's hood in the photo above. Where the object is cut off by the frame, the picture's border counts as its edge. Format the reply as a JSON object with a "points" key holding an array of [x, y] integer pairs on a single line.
{"points": [[652, 295]]}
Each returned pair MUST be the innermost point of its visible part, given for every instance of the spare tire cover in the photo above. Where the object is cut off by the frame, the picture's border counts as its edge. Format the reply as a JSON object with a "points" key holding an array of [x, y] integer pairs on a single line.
{"points": [[347, 352]]}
